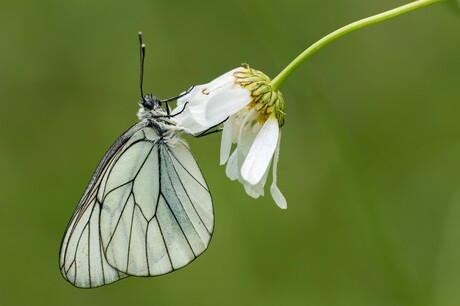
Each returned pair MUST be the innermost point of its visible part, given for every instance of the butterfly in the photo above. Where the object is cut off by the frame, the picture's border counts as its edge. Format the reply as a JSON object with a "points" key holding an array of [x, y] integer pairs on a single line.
{"points": [[147, 209]]}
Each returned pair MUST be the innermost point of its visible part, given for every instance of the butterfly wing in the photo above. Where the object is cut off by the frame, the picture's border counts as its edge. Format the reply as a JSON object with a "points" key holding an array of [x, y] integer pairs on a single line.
{"points": [[82, 261], [160, 219], [147, 211]]}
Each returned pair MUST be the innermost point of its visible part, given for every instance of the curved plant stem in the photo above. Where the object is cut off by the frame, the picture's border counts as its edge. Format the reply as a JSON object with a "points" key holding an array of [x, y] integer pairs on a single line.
{"points": [[282, 76]]}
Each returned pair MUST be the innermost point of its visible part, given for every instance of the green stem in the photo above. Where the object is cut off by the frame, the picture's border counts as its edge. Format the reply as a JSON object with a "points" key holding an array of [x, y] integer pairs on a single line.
{"points": [[280, 78]]}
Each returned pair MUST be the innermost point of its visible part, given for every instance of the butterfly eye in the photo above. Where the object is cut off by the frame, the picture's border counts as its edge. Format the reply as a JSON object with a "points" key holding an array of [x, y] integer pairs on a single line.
{"points": [[147, 103], [150, 101]]}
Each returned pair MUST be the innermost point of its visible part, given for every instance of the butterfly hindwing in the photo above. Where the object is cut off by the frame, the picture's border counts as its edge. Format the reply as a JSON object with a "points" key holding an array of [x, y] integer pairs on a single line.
{"points": [[161, 230]]}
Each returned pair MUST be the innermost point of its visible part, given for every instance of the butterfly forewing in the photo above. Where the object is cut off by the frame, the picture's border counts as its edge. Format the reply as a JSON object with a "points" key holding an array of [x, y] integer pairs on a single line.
{"points": [[82, 261]]}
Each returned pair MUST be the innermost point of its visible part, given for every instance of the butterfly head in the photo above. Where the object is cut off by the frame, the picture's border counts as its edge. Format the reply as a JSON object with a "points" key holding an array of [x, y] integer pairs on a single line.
{"points": [[150, 106], [151, 109], [150, 102]]}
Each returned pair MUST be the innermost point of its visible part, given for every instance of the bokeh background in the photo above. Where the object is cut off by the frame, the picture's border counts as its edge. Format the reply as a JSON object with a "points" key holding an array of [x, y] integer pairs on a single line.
{"points": [[370, 156]]}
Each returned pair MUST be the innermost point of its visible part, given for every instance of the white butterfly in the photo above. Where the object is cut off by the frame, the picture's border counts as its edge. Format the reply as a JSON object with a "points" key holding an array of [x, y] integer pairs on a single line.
{"points": [[147, 209]]}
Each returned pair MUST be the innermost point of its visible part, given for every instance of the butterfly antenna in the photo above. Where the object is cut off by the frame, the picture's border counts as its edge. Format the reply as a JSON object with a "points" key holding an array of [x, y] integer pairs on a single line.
{"points": [[142, 53]]}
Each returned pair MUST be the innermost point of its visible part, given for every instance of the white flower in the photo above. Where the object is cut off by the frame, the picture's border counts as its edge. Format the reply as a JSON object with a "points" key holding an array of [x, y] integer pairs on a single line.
{"points": [[208, 105], [253, 114]]}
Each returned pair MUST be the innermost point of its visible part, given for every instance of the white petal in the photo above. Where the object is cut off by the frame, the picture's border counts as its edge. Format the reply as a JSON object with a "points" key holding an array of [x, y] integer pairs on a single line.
{"points": [[211, 108], [259, 157], [250, 191], [232, 169], [246, 137], [274, 190], [278, 196], [193, 97], [226, 142], [226, 103], [198, 112], [193, 105], [189, 109], [255, 190], [199, 92], [247, 132], [238, 123], [198, 98], [223, 79], [187, 121]]}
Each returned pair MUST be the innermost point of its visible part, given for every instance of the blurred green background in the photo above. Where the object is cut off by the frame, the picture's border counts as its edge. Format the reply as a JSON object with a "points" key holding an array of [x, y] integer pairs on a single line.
{"points": [[370, 156]]}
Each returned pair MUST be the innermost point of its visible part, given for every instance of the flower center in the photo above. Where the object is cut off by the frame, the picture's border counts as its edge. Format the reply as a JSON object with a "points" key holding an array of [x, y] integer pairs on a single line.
{"points": [[266, 101]]}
